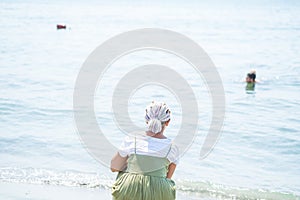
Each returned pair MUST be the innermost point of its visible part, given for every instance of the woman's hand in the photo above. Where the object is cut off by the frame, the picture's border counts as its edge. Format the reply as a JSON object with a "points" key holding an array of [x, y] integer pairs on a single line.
{"points": [[171, 170]]}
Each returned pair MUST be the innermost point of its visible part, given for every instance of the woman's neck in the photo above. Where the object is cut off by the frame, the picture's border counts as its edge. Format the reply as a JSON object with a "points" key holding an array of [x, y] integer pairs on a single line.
{"points": [[159, 135]]}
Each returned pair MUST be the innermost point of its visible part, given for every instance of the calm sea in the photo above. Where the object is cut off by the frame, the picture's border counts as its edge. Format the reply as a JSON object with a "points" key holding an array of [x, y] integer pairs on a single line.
{"points": [[258, 153]]}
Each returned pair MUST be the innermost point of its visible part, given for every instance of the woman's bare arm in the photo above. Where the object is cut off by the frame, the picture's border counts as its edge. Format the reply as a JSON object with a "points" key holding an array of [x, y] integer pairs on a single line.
{"points": [[171, 170], [118, 163]]}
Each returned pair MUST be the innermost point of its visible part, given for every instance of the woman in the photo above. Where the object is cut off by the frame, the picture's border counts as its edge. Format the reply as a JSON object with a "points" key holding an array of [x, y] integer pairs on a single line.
{"points": [[250, 80], [146, 162]]}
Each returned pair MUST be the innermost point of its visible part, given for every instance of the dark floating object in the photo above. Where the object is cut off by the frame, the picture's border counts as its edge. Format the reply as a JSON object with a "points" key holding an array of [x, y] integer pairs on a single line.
{"points": [[61, 26]]}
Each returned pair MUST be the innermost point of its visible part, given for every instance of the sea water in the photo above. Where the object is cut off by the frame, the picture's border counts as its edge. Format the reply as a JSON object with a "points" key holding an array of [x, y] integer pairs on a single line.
{"points": [[258, 153]]}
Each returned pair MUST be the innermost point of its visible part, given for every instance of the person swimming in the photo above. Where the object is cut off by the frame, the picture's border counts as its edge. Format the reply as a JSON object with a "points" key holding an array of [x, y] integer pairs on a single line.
{"points": [[250, 80]]}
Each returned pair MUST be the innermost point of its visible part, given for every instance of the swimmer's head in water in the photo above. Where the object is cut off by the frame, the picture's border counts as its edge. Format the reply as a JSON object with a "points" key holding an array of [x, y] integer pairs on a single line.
{"points": [[251, 77]]}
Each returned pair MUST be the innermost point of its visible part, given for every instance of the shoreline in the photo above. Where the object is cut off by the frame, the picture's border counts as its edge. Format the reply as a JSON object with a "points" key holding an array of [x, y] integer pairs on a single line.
{"points": [[18, 191]]}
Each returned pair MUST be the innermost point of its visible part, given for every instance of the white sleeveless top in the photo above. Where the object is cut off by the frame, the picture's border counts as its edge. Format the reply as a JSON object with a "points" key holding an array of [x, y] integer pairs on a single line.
{"points": [[145, 145]]}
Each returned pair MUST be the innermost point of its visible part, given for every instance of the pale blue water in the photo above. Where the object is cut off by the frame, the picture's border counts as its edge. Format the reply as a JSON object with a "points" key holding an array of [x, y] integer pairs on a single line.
{"points": [[258, 154]]}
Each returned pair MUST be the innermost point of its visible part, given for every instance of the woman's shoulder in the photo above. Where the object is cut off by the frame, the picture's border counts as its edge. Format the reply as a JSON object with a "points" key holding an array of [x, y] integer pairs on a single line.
{"points": [[173, 154]]}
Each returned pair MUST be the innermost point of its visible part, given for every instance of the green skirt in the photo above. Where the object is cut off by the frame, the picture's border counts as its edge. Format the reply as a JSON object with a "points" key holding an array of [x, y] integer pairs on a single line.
{"points": [[130, 186]]}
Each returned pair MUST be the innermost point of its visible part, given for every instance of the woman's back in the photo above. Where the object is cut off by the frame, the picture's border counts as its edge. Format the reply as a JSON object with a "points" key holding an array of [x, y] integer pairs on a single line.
{"points": [[151, 161], [145, 176]]}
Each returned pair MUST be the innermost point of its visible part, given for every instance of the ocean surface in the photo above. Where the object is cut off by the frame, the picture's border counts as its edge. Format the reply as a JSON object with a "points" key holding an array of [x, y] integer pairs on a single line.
{"points": [[258, 153]]}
